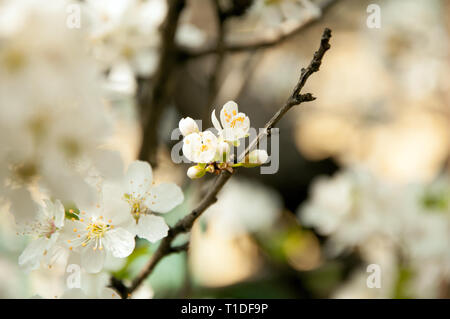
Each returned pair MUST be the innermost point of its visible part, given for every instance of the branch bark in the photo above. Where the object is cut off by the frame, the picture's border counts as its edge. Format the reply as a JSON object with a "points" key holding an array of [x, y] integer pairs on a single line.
{"points": [[185, 224]]}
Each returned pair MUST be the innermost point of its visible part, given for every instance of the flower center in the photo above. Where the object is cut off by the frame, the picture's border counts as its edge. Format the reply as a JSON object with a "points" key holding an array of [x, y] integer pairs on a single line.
{"points": [[41, 229], [238, 119], [137, 206], [95, 233]]}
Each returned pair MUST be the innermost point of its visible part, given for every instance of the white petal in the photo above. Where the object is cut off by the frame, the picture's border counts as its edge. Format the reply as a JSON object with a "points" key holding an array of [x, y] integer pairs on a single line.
{"points": [[188, 126], [139, 177], [229, 110], [230, 134], [191, 145], [152, 228], [244, 123], [164, 197], [115, 206], [215, 121], [59, 214], [92, 260], [207, 155], [31, 257], [119, 242]]}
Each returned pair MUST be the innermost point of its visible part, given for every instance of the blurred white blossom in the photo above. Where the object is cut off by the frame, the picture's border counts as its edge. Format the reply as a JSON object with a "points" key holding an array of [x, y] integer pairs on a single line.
{"points": [[143, 199], [355, 209], [51, 134], [244, 207]]}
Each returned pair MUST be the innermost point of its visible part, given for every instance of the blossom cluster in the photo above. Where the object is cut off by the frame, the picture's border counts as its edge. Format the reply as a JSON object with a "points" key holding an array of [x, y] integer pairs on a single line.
{"points": [[213, 152], [53, 119], [128, 207], [65, 189], [397, 226]]}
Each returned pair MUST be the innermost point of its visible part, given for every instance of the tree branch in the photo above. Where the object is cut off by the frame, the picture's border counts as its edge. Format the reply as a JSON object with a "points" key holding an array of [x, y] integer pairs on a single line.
{"points": [[237, 8], [152, 101], [296, 97], [283, 35], [185, 224]]}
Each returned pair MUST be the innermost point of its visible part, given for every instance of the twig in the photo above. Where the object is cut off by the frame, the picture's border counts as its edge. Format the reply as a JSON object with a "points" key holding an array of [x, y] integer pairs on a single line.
{"points": [[296, 97], [185, 224], [260, 43], [152, 103]]}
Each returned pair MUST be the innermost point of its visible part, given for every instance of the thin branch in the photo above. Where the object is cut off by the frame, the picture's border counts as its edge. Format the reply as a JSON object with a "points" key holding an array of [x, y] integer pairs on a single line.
{"points": [[152, 101], [283, 35], [296, 97], [185, 224]]}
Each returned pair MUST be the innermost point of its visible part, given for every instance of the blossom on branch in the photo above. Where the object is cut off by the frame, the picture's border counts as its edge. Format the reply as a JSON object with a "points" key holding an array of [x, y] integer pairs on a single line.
{"points": [[143, 200]]}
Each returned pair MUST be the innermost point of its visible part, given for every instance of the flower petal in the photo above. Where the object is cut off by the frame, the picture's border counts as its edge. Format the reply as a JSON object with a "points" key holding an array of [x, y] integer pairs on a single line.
{"points": [[92, 260], [164, 197], [58, 213], [215, 121], [191, 144], [31, 257], [139, 178], [229, 110], [119, 242], [114, 204], [152, 228]]}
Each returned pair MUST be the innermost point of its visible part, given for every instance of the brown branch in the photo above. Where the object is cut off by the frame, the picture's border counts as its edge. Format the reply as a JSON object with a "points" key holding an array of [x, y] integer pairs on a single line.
{"points": [[185, 224], [152, 101], [237, 8], [260, 43], [296, 97]]}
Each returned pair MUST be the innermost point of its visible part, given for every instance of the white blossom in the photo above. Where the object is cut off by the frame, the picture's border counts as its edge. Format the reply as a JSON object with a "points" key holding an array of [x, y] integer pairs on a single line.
{"points": [[52, 116], [200, 147], [235, 215], [45, 230], [126, 33], [187, 126], [144, 200], [233, 125], [99, 230]]}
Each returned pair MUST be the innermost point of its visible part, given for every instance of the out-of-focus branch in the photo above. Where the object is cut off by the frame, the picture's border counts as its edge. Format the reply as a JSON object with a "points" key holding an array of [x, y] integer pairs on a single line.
{"points": [[237, 8], [185, 224], [286, 32], [152, 101], [220, 57]]}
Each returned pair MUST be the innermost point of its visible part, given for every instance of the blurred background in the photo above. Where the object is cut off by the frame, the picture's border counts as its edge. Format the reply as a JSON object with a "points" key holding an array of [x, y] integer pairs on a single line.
{"points": [[364, 175]]}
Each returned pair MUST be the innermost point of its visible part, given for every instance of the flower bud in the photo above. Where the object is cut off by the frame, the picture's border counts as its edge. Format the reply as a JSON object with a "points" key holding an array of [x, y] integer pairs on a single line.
{"points": [[187, 126], [255, 158], [196, 171], [210, 169]]}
